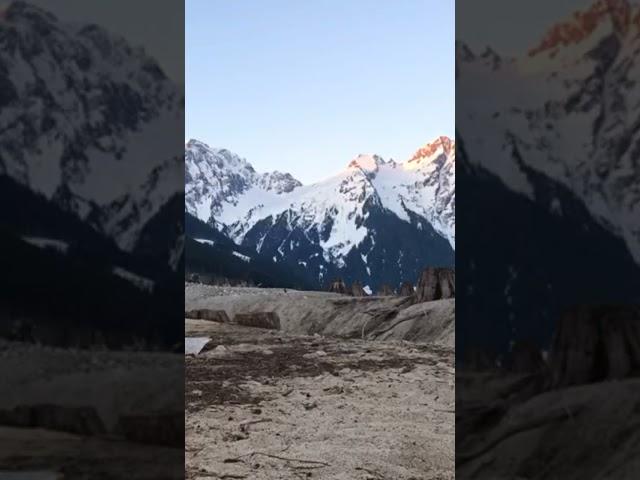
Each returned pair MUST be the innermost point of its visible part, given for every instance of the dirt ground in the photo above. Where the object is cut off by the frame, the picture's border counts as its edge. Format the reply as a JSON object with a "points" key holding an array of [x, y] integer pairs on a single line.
{"points": [[334, 315], [111, 383], [262, 404]]}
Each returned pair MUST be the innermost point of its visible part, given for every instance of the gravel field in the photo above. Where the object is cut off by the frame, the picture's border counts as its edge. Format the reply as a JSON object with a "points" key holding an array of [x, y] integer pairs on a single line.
{"points": [[263, 404]]}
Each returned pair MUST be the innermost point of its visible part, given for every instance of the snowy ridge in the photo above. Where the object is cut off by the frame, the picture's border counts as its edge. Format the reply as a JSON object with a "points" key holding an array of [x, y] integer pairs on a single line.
{"points": [[80, 106], [576, 122], [376, 222], [225, 191]]}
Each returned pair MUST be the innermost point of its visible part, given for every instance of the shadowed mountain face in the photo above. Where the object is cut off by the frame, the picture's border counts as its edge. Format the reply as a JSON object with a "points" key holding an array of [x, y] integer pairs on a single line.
{"points": [[377, 222], [211, 257], [89, 122], [548, 147], [514, 289], [91, 169]]}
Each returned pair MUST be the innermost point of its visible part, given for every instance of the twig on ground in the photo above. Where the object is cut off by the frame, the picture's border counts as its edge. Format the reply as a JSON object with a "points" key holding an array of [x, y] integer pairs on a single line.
{"points": [[244, 426], [286, 459], [287, 392], [372, 472]]}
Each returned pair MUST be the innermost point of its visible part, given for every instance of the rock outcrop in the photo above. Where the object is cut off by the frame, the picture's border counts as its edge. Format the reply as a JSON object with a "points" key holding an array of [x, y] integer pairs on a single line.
{"points": [[595, 343], [206, 314], [78, 420], [436, 283], [269, 320]]}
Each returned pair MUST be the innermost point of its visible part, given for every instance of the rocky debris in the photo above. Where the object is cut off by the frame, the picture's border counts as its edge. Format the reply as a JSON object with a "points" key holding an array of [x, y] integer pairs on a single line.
{"points": [[357, 290], [594, 343], [406, 289], [159, 429], [338, 286], [80, 420], [324, 313], [386, 291], [317, 398], [269, 320], [206, 314], [436, 283]]}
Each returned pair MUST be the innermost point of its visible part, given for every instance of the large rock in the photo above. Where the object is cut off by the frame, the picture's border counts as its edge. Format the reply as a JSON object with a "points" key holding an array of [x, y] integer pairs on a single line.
{"points": [[159, 429], [595, 343], [269, 320], [79, 420], [338, 286], [205, 314], [406, 289], [357, 290], [436, 283]]}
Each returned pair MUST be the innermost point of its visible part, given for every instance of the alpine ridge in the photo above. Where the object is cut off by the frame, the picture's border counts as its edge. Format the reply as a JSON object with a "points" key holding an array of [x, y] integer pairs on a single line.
{"points": [[548, 144], [375, 222], [580, 79], [84, 122]]}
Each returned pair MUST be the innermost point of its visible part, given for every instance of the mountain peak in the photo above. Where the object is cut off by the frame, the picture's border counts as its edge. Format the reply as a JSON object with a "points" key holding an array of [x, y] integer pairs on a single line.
{"points": [[20, 10], [366, 162], [441, 144], [582, 24], [193, 143]]}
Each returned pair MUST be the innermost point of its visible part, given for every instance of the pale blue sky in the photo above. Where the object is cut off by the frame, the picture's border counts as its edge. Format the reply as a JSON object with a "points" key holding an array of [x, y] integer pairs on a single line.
{"points": [[304, 86]]}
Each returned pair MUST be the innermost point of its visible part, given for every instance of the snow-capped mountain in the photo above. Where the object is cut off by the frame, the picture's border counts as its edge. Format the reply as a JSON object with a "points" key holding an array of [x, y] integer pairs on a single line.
{"points": [[569, 109], [89, 122], [548, 147], [376, 221]]}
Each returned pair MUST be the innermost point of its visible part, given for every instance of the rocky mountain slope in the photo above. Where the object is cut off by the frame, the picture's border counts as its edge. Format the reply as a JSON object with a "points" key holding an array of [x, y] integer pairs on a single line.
{"points": [[91, 170], [376, 221], [548, 146], [568, 109], [89, 122]]}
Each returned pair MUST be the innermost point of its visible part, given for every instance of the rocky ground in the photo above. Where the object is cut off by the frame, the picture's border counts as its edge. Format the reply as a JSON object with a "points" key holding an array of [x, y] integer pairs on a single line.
{"points": [[508, 426], [266, 404], [81, 413], [331, 314]]}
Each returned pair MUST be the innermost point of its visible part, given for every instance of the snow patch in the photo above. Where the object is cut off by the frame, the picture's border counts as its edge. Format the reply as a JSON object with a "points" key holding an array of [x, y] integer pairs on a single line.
{"points": [[140, 282], [42, 242]]}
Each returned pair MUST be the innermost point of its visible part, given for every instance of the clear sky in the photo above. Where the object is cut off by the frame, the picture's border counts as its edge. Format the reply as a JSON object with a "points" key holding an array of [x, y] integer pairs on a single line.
{"points": [[304, 86]]}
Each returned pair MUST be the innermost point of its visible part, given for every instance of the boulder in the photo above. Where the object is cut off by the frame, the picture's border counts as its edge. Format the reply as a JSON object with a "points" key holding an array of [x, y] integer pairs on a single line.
{"points": [[159, 429], [436, 283], [205, 314], [269, 320], [406, 289], [385, 291], [338, 286], [357, 291], [595, 343]]}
